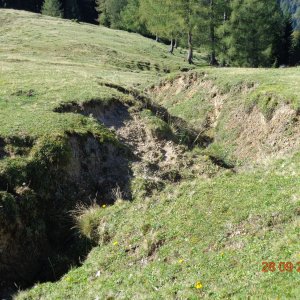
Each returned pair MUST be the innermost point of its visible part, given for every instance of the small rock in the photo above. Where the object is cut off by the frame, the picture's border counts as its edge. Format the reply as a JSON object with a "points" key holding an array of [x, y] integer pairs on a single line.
{"points": [[98, 274]]}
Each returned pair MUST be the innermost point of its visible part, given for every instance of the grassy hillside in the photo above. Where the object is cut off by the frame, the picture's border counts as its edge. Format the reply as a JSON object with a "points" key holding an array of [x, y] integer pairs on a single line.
{"points": [[45, 61], [204, 214], [217, 232]]}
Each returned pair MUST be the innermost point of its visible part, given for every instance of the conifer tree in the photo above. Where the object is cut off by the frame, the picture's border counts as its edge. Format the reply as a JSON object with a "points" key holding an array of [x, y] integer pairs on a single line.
{"points": [[71, 10], [110, 12], [295, 52], [194, 15], [252, 30], [283, 44], [217, 14], [52, 8], [162, 19], [103, 16], [131, 17]]}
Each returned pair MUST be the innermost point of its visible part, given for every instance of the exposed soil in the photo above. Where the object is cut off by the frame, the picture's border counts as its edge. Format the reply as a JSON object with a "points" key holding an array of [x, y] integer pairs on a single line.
{"points": [[98, 169], [94, 169], [187, 85], [153, 157], [260, 138], [194, 136], [254, 136], [37, 242]]}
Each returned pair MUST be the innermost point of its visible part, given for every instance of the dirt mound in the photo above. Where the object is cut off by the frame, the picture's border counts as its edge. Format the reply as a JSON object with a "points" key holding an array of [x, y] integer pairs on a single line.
{"points": [[155, 157], [188, 81]]}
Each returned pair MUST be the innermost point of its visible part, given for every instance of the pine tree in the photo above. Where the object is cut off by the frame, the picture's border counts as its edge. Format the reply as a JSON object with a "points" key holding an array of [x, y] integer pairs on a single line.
{"points": [[252, 30], [131, 17], [110, 12], [218, 10], [194, 15], [295, 52], [71, 10], [161, 19], [283, 44], [103, 16], [52, 8]]}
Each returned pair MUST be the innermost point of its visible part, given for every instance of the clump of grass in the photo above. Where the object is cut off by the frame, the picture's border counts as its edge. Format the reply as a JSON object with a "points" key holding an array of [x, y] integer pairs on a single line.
{"points": [[157, 127], [267, 103], [143, 187], [90, 222], [117, 195]]}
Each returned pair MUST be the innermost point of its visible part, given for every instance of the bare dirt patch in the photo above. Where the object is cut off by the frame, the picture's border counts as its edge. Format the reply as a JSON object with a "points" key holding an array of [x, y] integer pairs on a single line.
{"points": [[153, 157], [187, 86], [260, 138], [253, 136]]}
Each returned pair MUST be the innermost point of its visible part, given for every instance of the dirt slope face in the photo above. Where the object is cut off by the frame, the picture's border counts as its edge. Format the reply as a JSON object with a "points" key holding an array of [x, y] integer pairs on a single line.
{"points": [[242, 130], [83, 168], [158, 151], [37, 241], [260, 138]]}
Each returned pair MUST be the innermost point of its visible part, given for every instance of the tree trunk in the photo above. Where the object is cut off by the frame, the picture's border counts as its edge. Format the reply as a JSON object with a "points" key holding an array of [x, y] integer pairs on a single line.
{"points": [[190, 51], [171, 50], [175, 44], [156, 38], [213, 60]]}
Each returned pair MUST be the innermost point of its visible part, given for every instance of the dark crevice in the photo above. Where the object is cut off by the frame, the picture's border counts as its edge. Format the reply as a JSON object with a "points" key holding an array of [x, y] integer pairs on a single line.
{"points": [[38, 240], [93, 170], [192, 136], [221, 163]]}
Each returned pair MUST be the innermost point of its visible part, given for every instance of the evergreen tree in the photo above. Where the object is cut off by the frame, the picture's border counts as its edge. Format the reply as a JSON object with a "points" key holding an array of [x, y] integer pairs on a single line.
{"points": [[52, 8], [71, 10], [295, 52], [88, 12], [252, 30], [131, 17], [194, 14], [283, 43], [103, 16], [218, 10], [161, 19], [110, 12]]}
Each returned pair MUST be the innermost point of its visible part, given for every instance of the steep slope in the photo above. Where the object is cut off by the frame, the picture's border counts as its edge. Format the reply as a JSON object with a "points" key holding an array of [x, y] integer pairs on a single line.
{"points": [[216, 232], [251, 115]]}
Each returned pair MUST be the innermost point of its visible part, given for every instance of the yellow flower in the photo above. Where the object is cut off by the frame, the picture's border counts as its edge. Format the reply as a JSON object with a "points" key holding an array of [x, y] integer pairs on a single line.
{"points": [[180, 261], [103, 206], [198, 285], [115, 243]]}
